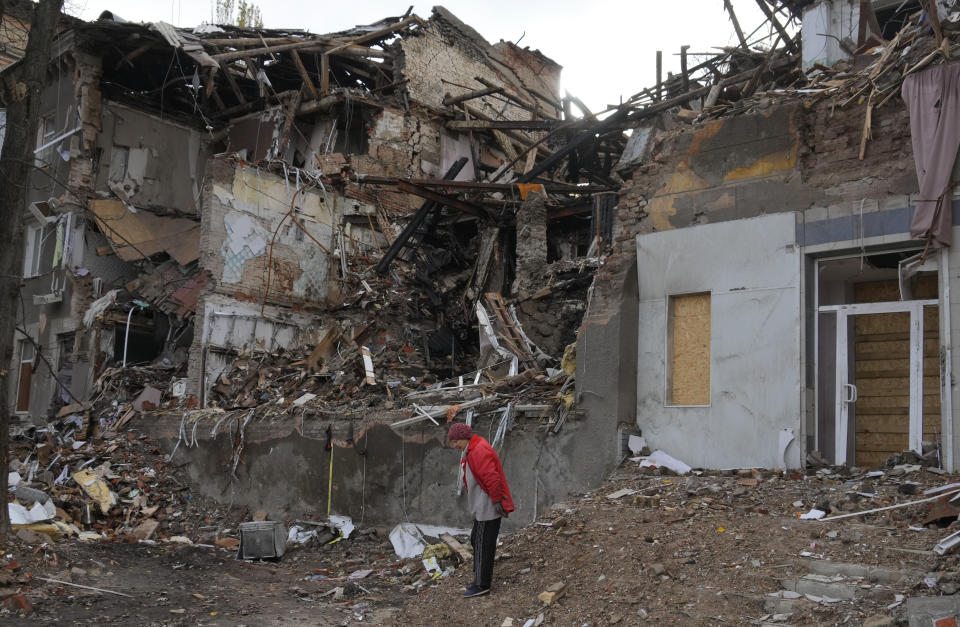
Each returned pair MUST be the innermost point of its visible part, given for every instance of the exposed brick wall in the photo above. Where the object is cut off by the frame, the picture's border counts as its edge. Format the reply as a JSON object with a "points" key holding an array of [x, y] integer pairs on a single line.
{"points": [[438, 61], [798, 158]]}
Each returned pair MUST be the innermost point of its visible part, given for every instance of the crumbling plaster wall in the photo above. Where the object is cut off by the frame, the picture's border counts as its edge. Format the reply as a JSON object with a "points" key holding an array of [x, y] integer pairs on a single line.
{"points": [[389, 476], [137, 164], [242, 209]]}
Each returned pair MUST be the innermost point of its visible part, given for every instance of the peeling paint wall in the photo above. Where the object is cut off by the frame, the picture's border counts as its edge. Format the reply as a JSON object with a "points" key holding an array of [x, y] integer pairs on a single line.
{"points": [[243, 209], [803, 158]]}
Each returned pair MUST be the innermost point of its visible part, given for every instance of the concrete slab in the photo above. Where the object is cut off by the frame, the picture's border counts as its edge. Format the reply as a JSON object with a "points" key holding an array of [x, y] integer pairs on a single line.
{"points": [[922, 611], [833, 590], [853, 571]]}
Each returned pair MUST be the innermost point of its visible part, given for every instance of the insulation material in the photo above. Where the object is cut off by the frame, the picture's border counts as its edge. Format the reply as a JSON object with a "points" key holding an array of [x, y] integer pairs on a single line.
{"points": [[143, 234], [690, 349]]}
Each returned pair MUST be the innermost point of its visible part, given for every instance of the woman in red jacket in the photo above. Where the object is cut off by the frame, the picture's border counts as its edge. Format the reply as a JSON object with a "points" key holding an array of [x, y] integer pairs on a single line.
{"points": [[488, 496]]}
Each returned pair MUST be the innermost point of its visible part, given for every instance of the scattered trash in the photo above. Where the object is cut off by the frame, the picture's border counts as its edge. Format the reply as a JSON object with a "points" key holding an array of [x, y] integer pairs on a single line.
{"points": [[659, 459]]}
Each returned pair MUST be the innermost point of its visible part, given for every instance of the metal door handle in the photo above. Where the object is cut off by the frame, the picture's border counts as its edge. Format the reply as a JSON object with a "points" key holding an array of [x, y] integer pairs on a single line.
{"points": [[850, 393]]}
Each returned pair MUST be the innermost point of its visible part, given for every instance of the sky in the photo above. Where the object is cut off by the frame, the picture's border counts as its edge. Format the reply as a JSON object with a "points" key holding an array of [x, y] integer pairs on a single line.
{"points": [[607, 48]]}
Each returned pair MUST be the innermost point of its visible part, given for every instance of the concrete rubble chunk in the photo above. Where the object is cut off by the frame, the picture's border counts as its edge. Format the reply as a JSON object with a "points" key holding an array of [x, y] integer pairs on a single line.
{"points": [[552, 593]]}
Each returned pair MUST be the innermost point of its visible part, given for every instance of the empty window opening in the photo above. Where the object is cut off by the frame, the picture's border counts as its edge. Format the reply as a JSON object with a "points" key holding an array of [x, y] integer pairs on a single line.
{"points": [[688, 349], [25, 375]]}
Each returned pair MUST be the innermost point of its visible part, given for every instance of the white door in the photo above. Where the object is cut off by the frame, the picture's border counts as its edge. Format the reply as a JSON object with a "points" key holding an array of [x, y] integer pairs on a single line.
{"points": [[847, 393]]}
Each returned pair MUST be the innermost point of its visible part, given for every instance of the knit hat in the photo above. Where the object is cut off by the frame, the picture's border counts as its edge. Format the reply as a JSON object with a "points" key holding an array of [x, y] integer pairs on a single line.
{"points": [[460, 431]]}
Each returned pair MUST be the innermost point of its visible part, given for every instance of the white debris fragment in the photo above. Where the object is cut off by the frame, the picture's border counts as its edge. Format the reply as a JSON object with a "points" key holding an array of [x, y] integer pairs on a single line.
{"points": [[659, 459]]}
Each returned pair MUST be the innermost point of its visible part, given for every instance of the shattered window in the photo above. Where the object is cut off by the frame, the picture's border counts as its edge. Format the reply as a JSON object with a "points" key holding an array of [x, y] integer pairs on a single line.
{"points": [[688, 349]]}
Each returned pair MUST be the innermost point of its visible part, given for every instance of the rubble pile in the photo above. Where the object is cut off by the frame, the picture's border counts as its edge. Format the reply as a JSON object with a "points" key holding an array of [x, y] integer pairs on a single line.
{"points": [[871, 77], [726, 547], [76, 481]]}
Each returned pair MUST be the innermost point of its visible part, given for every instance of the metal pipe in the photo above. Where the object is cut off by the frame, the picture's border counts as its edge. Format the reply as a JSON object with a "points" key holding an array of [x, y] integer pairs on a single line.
{"points": [[126, 338]]}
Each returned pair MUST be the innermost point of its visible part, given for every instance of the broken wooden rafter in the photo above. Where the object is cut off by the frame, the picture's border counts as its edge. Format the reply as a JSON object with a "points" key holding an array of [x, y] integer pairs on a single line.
{"points": [[523, 125], [416, 222], [378, 34], [233, 55], [560, 188], [470, 95], [239, 42], [133, 54], [529, 106], [788, 42], [307, 82], [450, 201], [320, 45], [234, 87], [736, 24]]}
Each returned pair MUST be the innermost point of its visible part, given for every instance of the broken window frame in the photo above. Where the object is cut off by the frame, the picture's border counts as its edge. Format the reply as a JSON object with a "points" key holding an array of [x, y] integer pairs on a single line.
{"points": [[46, 131], [25, 369], [35, 234], [669, 349]]}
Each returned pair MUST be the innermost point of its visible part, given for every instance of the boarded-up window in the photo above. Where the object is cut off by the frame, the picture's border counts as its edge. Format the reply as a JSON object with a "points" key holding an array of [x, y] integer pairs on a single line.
{"points": [[688, 349]]}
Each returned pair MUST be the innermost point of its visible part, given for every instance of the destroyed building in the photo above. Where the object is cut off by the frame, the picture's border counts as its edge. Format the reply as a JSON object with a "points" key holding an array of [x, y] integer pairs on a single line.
{"points": [[779, 277], [284, 235], [273, 246]]}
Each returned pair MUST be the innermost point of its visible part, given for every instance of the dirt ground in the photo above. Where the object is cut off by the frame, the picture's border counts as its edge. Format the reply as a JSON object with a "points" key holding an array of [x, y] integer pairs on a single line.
{"points": [[695, 550]]}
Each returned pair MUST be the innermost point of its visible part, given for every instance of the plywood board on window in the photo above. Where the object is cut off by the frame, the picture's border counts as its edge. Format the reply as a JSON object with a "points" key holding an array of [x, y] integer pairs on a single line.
{"points": [[884, 291], [689, 343], [892, 350]]}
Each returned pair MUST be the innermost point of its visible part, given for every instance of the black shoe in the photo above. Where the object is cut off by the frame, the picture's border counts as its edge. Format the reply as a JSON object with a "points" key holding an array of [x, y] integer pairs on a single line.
{"points": [[474, 590]]}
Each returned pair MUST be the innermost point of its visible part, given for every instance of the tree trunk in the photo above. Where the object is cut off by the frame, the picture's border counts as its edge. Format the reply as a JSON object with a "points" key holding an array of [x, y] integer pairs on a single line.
{"points": [[21, 86]]}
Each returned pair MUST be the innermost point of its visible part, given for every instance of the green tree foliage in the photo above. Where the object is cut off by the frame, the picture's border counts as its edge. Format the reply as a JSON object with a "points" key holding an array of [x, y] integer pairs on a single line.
{"points": [[244, 14]]}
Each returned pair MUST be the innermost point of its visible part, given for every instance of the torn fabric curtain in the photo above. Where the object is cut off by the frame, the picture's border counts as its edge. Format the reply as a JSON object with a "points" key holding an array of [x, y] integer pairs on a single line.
{"points": [[932, 97]]}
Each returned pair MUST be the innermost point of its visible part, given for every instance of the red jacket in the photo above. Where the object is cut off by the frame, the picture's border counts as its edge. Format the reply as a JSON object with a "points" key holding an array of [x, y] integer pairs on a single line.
{"points": [[486, 469]]}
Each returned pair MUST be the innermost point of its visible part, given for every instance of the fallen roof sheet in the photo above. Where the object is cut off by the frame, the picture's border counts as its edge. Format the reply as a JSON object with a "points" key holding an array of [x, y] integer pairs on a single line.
{"points": [[143, 234]]}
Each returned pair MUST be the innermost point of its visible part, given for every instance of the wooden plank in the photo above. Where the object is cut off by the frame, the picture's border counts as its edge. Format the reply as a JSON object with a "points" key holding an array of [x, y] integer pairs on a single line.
{"points": [[791, 46], [307, 82], [233, 55], [889, 442], [377, 34], [690, 349], [869, 324], [885, 291], [659, 75], [875, 403], [325, 73], [456, 547], [871, 458], [899, 386], [891, 350], [449, 201], [873, 368], [881, 423], [232, 81], [736, 24]]}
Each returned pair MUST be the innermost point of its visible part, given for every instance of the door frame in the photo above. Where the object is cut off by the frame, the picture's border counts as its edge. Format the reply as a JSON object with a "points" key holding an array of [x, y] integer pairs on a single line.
{"points": [[842, 375]]}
